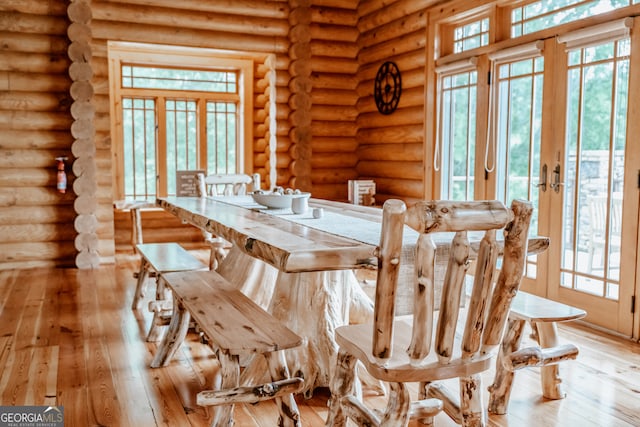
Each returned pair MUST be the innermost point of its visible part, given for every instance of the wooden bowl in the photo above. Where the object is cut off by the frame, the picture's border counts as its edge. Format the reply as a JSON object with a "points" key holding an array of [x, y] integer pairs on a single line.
{"points": [[277, 200]]}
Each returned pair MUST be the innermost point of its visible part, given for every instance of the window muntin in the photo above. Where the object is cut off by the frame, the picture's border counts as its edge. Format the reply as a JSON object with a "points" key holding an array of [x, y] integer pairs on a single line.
{"points": [[471, 35], [141, 77], [543, 14]]}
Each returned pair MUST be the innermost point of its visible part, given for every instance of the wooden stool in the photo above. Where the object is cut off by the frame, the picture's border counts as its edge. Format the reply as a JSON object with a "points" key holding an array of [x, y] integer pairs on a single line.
{"points": [[235, 326], [543, 315], [161, 258]]}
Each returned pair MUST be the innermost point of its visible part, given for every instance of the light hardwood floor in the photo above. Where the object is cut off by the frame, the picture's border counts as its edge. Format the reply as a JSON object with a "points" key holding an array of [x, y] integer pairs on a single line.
{"points": [[69, 337]]}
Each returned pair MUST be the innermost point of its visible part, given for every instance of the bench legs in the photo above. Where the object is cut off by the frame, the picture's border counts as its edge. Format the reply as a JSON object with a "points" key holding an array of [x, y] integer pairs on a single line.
{"points": [[552, 387], [228, 377], [140, 284], [174, 337], [161, 308], [289, 415], [227, 392], [546, 356]]}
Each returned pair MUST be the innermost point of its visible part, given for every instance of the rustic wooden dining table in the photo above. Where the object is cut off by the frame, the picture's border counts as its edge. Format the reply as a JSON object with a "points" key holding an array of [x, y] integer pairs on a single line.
{"points": [[314, 289]]}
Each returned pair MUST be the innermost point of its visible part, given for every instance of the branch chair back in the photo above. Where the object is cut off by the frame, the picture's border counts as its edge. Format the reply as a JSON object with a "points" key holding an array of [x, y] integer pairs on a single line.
{"points": [[421, 350]]}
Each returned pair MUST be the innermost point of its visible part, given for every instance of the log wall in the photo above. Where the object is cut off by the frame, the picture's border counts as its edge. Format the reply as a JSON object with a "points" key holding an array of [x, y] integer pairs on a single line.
{"points": [[315, 61], [391, 148], [36, 221], [322, 108]]}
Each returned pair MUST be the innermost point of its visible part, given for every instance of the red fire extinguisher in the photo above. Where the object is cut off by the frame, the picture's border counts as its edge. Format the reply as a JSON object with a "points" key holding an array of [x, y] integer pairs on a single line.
{"points": [[62, 175]]}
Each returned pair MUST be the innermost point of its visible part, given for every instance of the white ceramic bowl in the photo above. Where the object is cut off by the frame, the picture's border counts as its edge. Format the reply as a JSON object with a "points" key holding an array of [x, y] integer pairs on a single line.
{"points": [[275, 200]]}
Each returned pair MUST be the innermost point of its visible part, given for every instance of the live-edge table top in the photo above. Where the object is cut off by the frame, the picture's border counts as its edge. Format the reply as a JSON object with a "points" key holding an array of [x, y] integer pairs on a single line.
{"points": [[345, 238]]}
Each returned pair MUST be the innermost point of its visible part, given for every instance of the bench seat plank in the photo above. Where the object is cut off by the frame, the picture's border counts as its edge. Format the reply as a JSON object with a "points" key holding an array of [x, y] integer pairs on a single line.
{"points": [[169, 257], [533, 308], [231, 319]]}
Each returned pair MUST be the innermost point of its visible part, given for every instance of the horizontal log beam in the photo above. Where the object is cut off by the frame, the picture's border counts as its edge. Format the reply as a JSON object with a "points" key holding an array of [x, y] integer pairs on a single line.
{"points": [[36, 233], [392, 134], [104, 31], [45, 139], [18, 215], [33, 43], [37, 251], [31, 82], [392, 152], [277, 10], [16, 22], [181, 18], [391, 169]]}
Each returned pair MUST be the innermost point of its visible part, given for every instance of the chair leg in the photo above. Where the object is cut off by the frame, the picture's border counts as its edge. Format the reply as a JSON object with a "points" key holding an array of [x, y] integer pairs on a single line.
{"points": [[422, 394], [289, 414], [471, 407], [140, 284], [397, 412], [341, 385], [500, 390]]}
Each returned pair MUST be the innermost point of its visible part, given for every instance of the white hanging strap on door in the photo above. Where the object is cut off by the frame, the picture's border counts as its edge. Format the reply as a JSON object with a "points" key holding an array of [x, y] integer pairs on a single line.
{"points": [[451, 68], [510, 54]]}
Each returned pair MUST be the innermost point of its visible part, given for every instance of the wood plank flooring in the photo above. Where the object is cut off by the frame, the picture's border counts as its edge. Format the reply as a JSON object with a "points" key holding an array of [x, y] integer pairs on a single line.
{"points": [[69, 337]]}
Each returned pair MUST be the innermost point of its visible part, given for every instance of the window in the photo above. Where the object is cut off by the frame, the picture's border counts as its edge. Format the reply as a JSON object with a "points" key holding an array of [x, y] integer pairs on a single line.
{"points": [[539, 15], [470, 36], [596, 140], [143, 77], [167, 117], [457, 134]]}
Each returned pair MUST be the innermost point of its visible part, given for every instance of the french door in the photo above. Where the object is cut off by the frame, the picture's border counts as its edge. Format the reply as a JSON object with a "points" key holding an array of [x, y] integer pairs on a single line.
{"points": [[557, 135], [587, 187]]}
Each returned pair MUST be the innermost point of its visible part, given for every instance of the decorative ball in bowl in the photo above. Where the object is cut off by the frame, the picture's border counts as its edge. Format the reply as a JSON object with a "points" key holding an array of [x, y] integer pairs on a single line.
{"points": [[277, 199]]}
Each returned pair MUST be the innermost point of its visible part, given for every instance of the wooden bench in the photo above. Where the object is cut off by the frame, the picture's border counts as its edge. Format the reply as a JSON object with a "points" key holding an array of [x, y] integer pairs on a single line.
{"points": [[161, 258], [543, 315], [234, 326]]}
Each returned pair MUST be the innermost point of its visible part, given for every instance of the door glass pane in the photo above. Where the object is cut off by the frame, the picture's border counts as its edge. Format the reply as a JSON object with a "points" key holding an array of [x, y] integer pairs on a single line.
{"points": [[182, 139], [139, 147], [222, 123], [518, 136], [458, 135], [597, 100]]}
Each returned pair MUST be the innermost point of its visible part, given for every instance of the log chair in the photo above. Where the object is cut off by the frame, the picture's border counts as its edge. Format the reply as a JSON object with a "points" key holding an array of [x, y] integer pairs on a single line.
{"points": [[223, 185], [396, 352]]}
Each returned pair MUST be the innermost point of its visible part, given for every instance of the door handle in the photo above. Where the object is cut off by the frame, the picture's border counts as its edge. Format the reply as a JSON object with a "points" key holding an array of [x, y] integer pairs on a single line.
{"points": [[555, 185], [543, 178]]}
